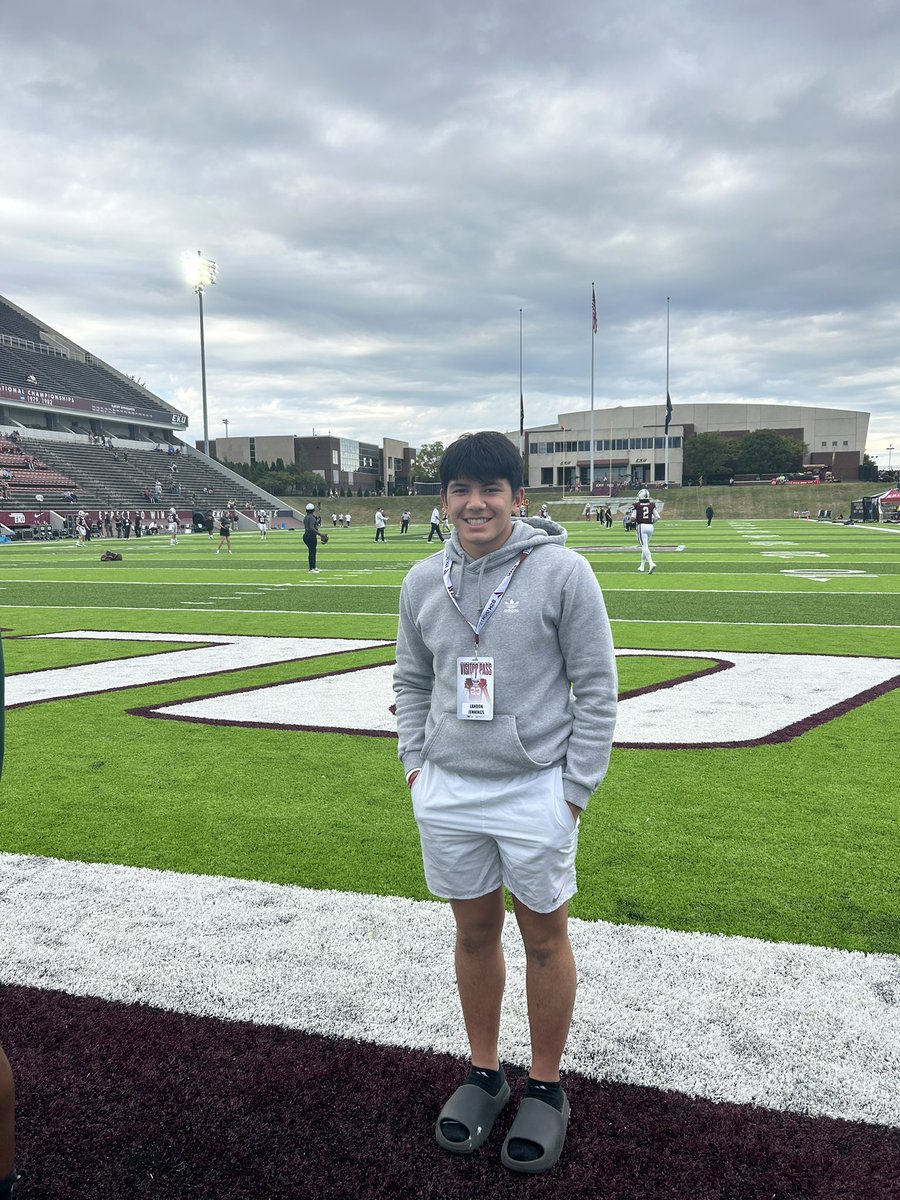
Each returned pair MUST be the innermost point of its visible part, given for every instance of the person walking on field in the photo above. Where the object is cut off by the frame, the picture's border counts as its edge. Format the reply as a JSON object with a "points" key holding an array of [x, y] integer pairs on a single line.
{"points": [[435, 519], [709, 515], [405, 518], [311, 536], [225, 531], [380, 521], [645, 517], [502, 752]]}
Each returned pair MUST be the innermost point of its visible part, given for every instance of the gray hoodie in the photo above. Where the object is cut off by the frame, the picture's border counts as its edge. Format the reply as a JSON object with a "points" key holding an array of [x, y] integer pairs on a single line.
{"points": [[549, 632]]}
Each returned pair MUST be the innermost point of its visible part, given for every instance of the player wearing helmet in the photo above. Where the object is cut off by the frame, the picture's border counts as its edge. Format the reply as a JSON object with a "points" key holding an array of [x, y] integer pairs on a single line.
{"points": [[645, 516]]}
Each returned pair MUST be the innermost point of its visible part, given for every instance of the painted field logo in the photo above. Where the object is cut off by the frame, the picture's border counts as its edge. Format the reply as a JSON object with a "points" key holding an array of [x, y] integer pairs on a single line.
{"points": [[740, 699]]}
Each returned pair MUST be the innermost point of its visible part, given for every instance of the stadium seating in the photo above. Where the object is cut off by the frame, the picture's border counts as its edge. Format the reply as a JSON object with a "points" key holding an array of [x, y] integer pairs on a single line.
{"points": [[59, 441], [117, 478], [28, 359]]}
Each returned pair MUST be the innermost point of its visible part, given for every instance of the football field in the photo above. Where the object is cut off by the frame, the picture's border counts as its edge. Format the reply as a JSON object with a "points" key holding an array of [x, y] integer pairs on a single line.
{"points": [[218, 956]]}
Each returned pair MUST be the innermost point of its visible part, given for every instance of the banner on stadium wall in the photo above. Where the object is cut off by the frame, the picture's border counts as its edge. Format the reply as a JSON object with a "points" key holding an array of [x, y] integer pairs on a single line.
{"points": [[22, 518], [104, 408]]}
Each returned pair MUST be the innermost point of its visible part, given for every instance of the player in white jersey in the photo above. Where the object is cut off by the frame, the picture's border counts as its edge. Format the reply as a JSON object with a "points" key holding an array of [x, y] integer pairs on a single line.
{"points": [[645, 516]]}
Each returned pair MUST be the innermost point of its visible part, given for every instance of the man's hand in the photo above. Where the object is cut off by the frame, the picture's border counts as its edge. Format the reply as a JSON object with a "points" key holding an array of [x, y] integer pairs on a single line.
{"points": [[573, 809], [414, 775]]}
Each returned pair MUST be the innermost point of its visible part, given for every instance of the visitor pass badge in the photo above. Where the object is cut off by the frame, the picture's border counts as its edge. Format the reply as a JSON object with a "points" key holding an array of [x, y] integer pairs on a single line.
{"points": [[475, 689]]}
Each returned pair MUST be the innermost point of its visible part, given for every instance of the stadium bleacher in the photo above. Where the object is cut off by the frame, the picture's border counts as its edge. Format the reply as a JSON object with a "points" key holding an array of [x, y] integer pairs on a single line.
{"points": [[87, 429], [119, 477], [35, 357]]}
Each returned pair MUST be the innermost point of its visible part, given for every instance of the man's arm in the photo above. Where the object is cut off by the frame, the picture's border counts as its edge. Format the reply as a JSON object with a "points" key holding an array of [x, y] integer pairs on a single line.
{"points": [[413, 685], [586, 643]]}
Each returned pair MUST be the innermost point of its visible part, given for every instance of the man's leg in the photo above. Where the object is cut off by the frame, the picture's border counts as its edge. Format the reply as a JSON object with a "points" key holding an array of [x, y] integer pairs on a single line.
{"points": [[535, 1140], [464, 1121], [550, 981], [481, 972]]}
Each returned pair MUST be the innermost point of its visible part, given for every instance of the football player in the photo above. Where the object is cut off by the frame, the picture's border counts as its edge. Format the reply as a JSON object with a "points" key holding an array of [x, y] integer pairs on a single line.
{"points": [[645, 516]]}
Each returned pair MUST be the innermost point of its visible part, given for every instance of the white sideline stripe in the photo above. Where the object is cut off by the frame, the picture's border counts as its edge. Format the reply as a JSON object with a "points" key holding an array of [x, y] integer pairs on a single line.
{"points": [[608, 584], [791, 1027], [327, 612]]}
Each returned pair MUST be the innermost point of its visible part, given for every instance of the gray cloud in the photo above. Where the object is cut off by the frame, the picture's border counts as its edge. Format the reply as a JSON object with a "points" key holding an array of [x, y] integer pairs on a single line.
{"points": [[385, 186]]}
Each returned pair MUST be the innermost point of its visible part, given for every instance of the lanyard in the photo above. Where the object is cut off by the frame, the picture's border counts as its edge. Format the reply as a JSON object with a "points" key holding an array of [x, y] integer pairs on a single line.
{"points": [[488, 611]]}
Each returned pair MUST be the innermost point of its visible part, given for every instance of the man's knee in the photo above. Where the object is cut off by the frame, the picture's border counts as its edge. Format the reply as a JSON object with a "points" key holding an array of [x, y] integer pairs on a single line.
{"points": [[479, 923], [544, 935], [475, 940]]}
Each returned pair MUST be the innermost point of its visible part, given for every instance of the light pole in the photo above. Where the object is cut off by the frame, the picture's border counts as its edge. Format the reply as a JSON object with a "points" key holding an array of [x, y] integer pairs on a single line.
{"points": [[225, 422], [201, 273], [890, 450]]}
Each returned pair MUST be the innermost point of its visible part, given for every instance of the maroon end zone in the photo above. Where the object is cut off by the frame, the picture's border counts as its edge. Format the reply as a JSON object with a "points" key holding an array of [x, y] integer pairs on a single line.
{"points": [[123, 1102]]}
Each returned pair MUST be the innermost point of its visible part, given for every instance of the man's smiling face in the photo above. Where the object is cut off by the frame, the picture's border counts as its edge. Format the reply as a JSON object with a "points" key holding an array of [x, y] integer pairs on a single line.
{"points": [[481, 512]]}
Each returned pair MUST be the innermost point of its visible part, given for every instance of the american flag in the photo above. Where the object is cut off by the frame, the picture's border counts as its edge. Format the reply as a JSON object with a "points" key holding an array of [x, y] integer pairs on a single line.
{"points": [[593, 309]]}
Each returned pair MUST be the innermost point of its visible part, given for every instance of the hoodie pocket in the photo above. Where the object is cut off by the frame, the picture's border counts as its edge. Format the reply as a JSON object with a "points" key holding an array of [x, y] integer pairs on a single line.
{"points": [[489, 748]]}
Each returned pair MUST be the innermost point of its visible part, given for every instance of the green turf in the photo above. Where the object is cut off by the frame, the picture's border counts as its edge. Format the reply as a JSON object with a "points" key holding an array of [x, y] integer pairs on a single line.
{"points": [[792, 842]]}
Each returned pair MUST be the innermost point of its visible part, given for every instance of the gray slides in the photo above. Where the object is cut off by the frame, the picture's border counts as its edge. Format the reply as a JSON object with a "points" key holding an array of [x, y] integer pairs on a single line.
{"points": [[473, 1108], [543, 1125]]}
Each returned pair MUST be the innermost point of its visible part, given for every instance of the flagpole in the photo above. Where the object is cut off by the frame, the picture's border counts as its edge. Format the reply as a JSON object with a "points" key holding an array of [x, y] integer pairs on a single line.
{"points": [[666, 481], [521, 396], [593, 339]]}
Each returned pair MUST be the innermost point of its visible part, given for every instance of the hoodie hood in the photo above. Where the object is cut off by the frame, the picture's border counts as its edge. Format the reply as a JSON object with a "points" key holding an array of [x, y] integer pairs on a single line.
{"points": [[527, 534]]}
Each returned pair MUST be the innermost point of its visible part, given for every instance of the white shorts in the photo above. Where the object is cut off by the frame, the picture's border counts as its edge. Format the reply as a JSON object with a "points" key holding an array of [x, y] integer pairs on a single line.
{"points": [[477, 834]]}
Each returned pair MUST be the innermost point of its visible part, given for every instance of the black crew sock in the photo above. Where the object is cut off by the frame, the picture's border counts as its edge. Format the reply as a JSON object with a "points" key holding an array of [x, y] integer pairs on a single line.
{"points": [[491, 1081], [550, 1093], [6, 1185], [521, 1149]]}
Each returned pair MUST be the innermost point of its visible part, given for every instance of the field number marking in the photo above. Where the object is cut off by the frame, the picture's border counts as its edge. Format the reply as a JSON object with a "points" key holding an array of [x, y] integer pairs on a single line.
{"points": [[740, 699]]}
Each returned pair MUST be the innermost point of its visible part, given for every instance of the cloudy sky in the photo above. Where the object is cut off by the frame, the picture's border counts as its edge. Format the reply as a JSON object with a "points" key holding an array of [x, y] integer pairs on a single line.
{"points": [[384, 185]]}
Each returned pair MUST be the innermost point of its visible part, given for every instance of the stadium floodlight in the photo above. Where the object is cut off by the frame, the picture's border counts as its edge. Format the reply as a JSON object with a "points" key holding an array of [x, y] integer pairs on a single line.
{"points": [[201, 273]]}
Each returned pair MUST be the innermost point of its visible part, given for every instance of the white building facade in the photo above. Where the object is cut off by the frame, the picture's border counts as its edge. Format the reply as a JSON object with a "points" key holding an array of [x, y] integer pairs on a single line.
{"points": [[629, 442]]}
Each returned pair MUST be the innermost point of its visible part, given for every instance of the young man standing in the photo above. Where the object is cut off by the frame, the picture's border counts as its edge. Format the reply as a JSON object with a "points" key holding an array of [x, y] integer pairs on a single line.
{"points": [[380, 522], [645, 517], [506, 702]]}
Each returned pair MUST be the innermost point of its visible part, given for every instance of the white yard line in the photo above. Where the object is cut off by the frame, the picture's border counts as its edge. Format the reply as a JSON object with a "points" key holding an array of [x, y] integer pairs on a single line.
{"points": [[790, 1027], [323, 612]]}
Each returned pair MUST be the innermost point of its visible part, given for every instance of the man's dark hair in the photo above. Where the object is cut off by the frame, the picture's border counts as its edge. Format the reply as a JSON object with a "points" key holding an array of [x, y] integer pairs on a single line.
{"points": [[483, 457]]}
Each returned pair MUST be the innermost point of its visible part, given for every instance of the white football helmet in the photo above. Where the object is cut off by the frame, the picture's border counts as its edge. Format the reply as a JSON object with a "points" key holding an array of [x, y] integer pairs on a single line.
{"points": [[643, 494]]}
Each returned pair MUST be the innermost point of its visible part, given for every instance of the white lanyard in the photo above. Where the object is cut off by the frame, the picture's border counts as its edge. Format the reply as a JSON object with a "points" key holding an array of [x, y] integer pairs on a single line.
{"points": [[488, 610]]}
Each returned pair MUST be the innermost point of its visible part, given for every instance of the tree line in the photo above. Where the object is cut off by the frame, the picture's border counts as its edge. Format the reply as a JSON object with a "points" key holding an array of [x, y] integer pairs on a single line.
{"points": [[763, 452]]}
